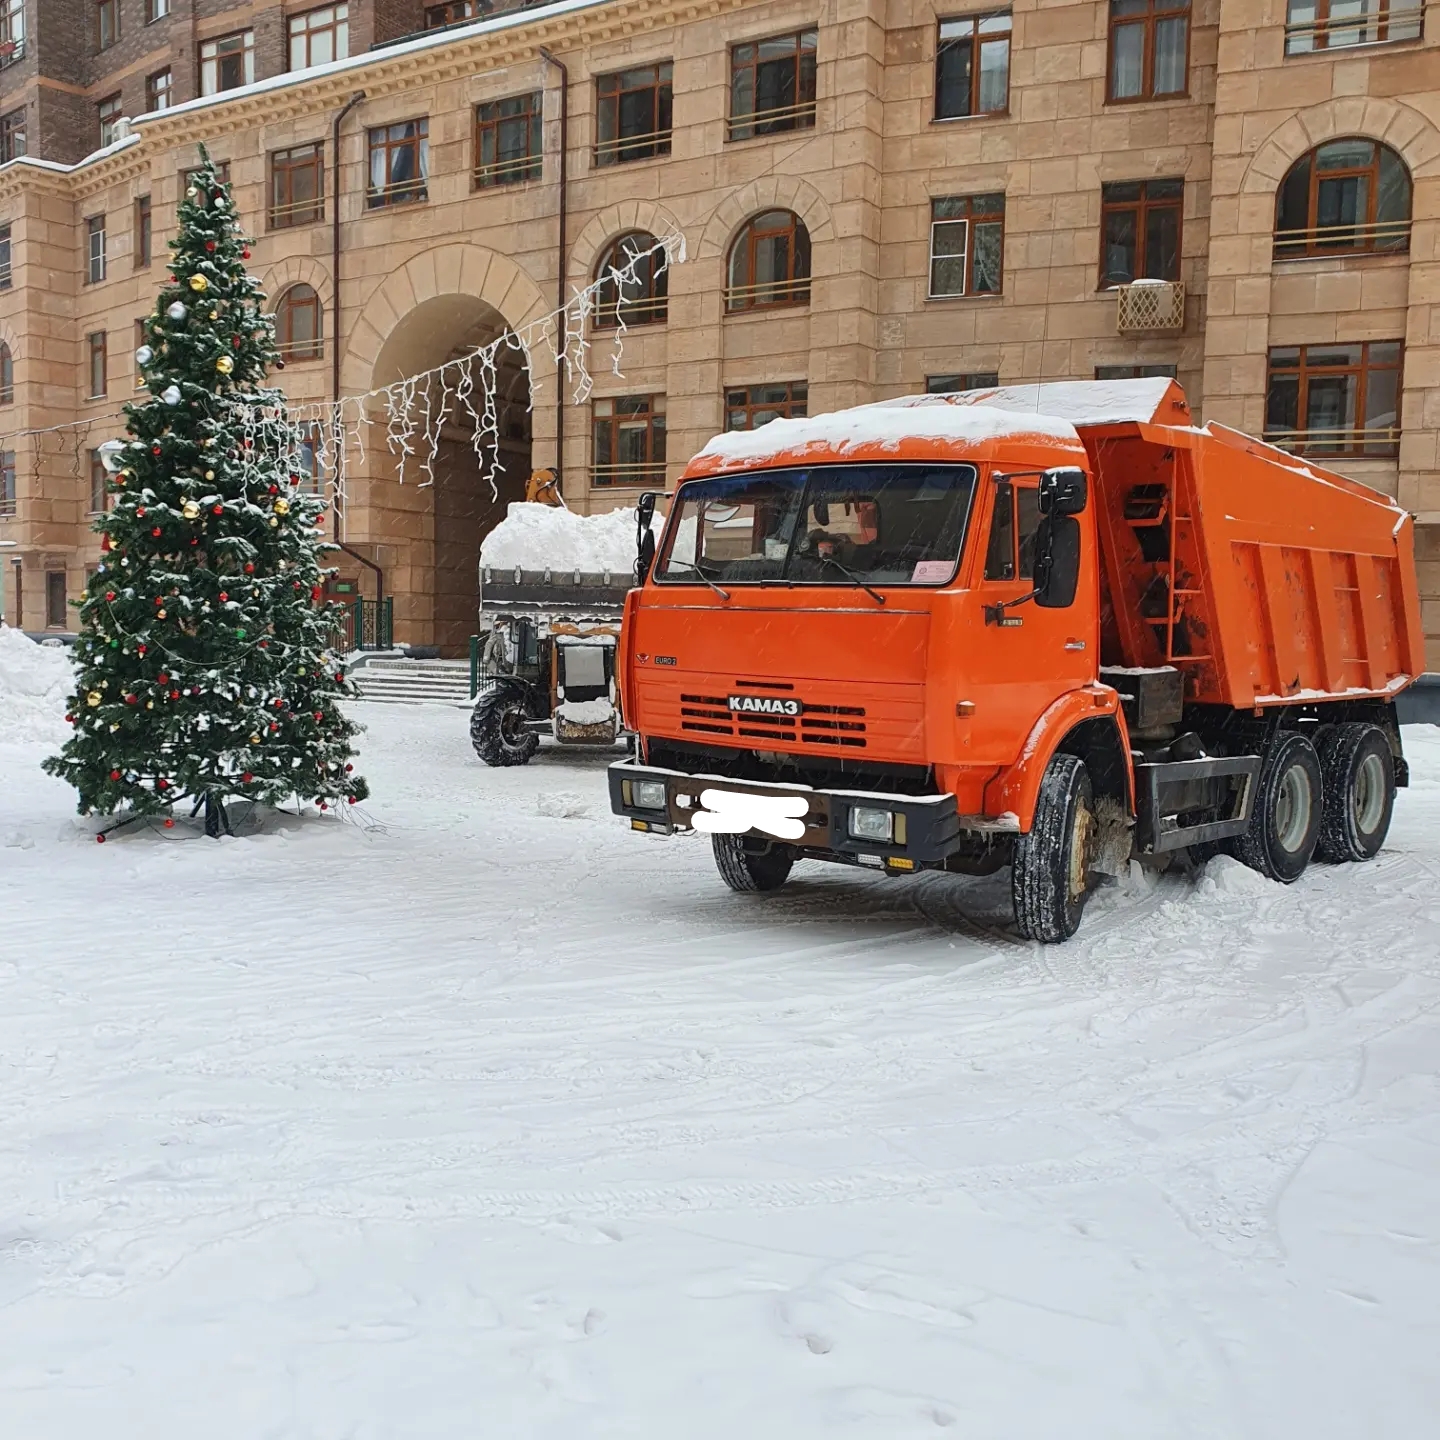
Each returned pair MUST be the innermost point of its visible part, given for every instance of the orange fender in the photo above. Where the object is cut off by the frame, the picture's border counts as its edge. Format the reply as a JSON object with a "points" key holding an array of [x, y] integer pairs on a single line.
{"points": [[1015, 790]]}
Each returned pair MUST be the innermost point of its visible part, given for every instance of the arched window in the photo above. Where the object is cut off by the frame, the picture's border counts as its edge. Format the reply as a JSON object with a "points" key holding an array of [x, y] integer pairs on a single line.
{"points": [[1345, 197], [7, 374], [769, 263], [642, 297], [298, 320]]}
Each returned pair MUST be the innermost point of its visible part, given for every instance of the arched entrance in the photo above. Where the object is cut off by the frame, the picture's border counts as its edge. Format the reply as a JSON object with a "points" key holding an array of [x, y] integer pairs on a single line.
{"points": [[451, 498]]}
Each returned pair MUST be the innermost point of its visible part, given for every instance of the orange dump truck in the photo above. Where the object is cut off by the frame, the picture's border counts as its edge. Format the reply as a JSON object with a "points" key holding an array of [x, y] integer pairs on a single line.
{"points": [[1051, 627]]}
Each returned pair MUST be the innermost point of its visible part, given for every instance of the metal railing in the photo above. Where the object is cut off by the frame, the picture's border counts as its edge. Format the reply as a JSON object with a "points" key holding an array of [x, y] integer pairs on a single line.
{"points": [[632, 147], [1379, 22], [402, 192], [772, 122], [301, 350], [1389, 236], [366, 625], [1375, 442], [506, 172], [632, 472], [297, 212], [768, 293]]}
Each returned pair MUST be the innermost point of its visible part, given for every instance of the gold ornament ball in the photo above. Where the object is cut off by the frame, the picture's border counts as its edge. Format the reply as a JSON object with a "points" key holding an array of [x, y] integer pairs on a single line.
{"points": [[209, 474], [199, 284], [93, 699], [224, 364], [274, 523], [254, 739], [149, 704], [282, 507], [190, 510]]}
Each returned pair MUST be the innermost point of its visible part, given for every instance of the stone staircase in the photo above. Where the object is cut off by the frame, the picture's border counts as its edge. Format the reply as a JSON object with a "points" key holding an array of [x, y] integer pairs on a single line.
{"points": [[394, 679]]}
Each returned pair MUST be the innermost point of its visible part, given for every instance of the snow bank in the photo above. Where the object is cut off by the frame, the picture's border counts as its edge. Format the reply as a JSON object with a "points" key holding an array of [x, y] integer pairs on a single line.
{"points": [[1081, 402], [34, 682], [884, 426], [546, 537]]}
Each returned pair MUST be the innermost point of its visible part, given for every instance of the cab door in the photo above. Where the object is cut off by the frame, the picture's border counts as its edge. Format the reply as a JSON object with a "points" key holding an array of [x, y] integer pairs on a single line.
{"points": [[1020, 658]]}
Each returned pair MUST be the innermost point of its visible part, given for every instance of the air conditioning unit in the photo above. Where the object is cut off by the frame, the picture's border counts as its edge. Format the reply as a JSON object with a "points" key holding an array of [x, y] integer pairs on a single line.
{"points": [[1147, 306]]}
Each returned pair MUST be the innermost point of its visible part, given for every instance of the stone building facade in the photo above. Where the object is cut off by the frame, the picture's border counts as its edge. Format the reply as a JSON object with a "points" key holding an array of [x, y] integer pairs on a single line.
{"points": [[874, 195]]}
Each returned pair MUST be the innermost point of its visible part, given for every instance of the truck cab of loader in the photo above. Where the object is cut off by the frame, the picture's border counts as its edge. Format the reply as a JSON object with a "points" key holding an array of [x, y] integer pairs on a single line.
{"points": [[960, 632]]}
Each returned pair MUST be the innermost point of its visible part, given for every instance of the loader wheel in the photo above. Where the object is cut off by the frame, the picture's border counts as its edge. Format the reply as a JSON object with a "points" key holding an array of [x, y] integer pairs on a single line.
{"points": [[1285, 820], [1359, 798], [750, 871], [1050, 874], [497, 729]]}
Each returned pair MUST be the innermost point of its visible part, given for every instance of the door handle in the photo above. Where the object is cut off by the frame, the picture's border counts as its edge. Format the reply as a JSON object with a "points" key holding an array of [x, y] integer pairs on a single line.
{"points": [[1074, 644]]}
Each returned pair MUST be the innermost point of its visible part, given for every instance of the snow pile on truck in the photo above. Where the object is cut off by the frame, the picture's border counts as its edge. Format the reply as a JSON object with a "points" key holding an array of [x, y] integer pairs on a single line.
{"points": [[548, 537], [34, 680]]}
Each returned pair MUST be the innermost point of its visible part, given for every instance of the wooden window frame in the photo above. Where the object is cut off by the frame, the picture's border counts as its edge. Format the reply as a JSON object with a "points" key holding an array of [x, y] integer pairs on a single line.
{"points": [[284, 212], [742, 400], [97, 359], [298, 29], [1370, 234], [793, 290], [979, 210], [1353, 442], [649, 472], [109, 112], [7, 374], [96, 260], [12, 31], [976, 41], [1155, 12], [246, 53], [756, 124], [157, 96], [11, 125], [650, 305], [107, 25], [489, 121], [1141, 206], [7, 257], [969, 380], [1315, 37], [286, 307], [610, 92], [452, 12], [144, 228], [405, 192], [8, 486]]}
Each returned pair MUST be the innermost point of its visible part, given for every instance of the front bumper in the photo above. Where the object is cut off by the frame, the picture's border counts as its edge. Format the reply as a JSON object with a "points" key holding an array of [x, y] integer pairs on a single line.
{"points": [[926, 827]]}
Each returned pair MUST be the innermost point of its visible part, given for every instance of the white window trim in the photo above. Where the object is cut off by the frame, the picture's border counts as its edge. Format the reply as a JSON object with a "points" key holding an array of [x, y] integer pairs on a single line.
{"points": [[963, 257]]}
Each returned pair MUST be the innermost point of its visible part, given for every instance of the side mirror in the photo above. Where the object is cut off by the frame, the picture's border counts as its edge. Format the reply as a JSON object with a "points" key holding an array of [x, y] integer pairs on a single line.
{"points": [[1063, 491], [644, 536], [1057, 560]]}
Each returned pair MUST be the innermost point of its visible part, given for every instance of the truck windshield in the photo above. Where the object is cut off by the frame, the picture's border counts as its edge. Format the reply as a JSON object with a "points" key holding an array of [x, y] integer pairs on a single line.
{"points": [[827, 525]]}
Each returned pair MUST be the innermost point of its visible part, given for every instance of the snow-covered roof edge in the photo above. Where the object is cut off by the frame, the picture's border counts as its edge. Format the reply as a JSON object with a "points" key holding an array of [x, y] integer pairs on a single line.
{"points": [[34, 162]]}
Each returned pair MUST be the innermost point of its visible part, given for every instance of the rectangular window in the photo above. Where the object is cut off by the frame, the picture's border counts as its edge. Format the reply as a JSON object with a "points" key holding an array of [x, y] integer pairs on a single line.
{"points": [[7, 482], [972, 66], [1010, 552], [5, 257], [12, 135], [508, 141], [1335, 399], [1312, 25], [158, 89], [633, 114], [772, 85], [95, 249], [12, 31], [1140, 231], [965, 380], [1134, 372], [107, 23], [399, 163], [144, 232], [227, 62], [108, 114], [319, 36], [454, 12], [629, 440], [99, 485], [752, 406], [1149, 49], [95, 347], [156, 10], [297, 186], [55, 600], [967, 245]]}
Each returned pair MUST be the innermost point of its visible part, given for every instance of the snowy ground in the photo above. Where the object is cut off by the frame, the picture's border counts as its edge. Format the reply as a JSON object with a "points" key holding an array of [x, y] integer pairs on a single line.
{"points": [[495, 1119]]}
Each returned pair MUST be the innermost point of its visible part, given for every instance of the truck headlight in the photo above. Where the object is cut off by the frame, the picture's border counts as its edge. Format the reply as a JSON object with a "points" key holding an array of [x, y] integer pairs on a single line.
{"points": [[648, 794], [867, 824]]}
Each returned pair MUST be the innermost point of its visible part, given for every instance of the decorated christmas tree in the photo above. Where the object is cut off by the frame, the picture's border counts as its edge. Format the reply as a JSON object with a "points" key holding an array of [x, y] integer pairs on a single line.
{"points": [[206, 662]]}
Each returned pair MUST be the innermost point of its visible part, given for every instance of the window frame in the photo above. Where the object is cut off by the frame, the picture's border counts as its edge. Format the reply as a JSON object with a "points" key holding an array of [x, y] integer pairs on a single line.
{"points": [[7, 374], [156, 10], [12, 123], [215, 61], [51, 623], [1136, 372], [621, 149], [298, 29], [973, 217], [433, 14], [12, 30], [408, 192], [157, 96], [9, 489], [974, 380], [1155, 12], [793, 290], [290, 214], [649, 472], [976, 43], [7, 250], [1387, 13], [107, 25], [96, 260], [1304, 244], [488, 175], [109, 112], [144, 231], [1142, 206], [739, 399], [649, 307], [1023, 524], [97, 347], [1354, 445], [293, 351], [805, 78]]}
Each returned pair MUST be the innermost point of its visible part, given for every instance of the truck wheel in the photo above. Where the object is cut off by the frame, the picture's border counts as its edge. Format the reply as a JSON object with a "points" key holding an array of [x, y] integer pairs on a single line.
{"points": [[497, 729], [1051, 869], [1359, 773], [747, 871], [1285, 821]]}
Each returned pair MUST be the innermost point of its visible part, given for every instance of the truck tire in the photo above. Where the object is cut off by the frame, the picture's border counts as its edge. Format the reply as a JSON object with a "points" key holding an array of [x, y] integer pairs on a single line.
{"points": [[1049, 877], [747, 871], [1285, 821], [1359, 778], [497, 728]]}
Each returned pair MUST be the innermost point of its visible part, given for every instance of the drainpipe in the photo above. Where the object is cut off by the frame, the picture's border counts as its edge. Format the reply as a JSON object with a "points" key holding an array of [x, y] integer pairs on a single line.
{"points": [[560, 259], [350, 104]]}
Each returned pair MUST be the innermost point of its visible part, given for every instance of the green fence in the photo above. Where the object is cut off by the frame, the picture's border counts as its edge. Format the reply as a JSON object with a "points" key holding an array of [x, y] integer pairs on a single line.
{"points": [[368, 625]]}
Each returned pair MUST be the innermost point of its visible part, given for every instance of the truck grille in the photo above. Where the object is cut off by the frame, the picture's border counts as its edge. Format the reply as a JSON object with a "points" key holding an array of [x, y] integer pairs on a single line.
{"points": [[837, 725]]}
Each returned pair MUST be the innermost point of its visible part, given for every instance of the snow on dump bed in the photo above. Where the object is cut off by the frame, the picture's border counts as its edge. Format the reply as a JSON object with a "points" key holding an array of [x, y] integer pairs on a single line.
{"points": [[1081, 402], [885, 427], [34, 681], [547, 537]]}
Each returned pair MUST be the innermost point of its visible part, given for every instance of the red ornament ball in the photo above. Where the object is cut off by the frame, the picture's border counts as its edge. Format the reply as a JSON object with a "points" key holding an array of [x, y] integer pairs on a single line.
{"points": [[140, 649], [163, 679], [352, 799], [174, 694], [246, 778], [159, 599], [319, 715], [109, 594], [349, 768], [114, 774], [140, 512], [274, 489], [154, 449], [245, 254], [210, 245], [235, 341], [162, 784], [249, 568], [169, 823], [156, 531], [132, 699], [223, 597], [219, 510], [99, 839]]}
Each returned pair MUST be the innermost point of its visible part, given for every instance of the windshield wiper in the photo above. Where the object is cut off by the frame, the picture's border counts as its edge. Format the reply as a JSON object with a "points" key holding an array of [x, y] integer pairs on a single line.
{"points": [[875, 595], [686, 565]]}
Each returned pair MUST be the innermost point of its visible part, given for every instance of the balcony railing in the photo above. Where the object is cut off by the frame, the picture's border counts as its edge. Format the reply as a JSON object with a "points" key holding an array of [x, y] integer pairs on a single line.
{"points": [[1375, 442], [1149, 307], [296, 212], [767, 294], [632, 147], [772, 122], [629, 472], [506, 172], [1390, 237], [1375, 22], [401, 192]]}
